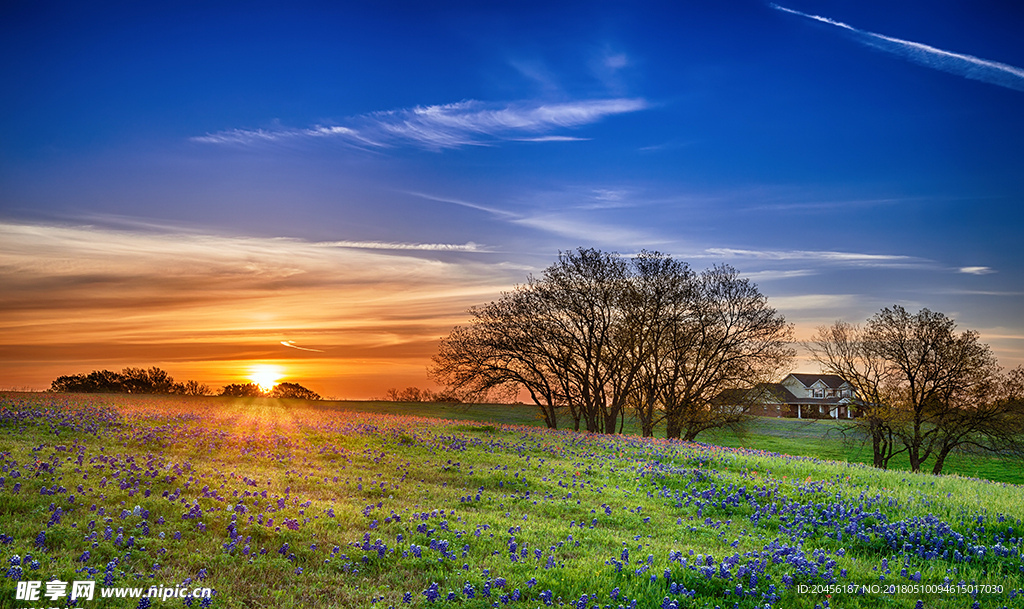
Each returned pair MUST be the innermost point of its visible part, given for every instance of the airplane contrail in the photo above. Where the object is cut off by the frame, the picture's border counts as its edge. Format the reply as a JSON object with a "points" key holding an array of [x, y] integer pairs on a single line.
{"points": [[291, 343], [967, 66]]}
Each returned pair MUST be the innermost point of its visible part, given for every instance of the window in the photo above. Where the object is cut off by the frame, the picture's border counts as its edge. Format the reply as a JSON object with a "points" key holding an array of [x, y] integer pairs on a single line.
{"points": [[819, 393]]}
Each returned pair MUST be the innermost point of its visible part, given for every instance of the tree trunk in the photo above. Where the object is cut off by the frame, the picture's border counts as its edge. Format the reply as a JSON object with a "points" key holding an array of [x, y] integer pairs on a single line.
{"points": [[940, 459], [878, 445], [673, 429], [611, 419]]}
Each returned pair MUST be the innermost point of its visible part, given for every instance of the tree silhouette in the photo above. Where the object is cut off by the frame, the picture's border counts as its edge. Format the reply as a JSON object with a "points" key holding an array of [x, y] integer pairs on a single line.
{"points": [[242, 390], [129, 380], [292, 391], [924, 385], [598, 335]]}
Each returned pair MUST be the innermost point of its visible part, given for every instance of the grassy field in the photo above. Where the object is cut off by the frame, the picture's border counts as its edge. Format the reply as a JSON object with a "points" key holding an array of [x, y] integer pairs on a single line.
{"points": [[292, 504], [820, 438]]}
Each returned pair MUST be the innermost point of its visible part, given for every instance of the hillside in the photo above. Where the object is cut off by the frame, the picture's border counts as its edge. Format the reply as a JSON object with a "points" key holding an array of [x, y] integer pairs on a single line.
{"points": [[292, 504]]}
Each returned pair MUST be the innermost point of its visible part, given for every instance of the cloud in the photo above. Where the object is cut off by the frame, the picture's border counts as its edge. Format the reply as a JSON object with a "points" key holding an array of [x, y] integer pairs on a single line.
{"points": [[461, 203], [583, 228], [966, 66], [469, 246], [553, 138], [78, 298], [616, 61], [465, 123], [776, 275], [976, 270], [568, 213], [814, 302], [850, 258], [291, 343]]}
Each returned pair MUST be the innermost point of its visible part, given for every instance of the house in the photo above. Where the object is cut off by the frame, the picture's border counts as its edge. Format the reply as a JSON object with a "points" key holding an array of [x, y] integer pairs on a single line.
{"points": [[806, 396]]}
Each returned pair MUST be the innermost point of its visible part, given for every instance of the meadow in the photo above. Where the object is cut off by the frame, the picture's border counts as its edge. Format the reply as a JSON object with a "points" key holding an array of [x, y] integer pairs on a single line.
{"points": [[302, 504]]}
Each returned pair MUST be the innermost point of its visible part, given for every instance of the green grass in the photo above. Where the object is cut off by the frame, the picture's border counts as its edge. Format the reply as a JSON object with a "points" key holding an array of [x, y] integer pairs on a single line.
{"points": [[820, 438], [341, 472]]}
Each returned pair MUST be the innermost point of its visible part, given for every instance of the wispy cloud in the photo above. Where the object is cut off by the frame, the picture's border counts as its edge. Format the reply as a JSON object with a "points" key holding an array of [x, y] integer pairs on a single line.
{"points": [[469, 246], [552, 138], [573, 213], [776, 275], [812, 302], [465, 123], [960, 64], [291, 343], [581, 228], [976, 270], [78, 298], [501, 213], [852, 258]]}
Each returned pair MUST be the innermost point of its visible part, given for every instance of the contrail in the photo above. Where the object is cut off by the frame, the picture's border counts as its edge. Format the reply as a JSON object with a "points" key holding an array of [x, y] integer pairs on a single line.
{"points": [[967, 66], [291, 343]]}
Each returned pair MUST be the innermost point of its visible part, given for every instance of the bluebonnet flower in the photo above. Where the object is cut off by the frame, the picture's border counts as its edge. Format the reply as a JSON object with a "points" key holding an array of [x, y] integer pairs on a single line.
{"points": [[431, 592]]}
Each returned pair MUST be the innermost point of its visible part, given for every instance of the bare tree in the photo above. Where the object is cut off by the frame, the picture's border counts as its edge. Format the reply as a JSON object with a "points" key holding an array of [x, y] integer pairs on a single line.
{"points": [[728, 340], [599, 337], [925, 385], [659, 304], [843, 350], [191, 387], [939, 381], [583, 324], [503, 351]]}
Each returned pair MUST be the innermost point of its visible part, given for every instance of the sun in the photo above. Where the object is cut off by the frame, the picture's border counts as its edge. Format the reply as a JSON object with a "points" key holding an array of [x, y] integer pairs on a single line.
{"points": [[266, 376]]}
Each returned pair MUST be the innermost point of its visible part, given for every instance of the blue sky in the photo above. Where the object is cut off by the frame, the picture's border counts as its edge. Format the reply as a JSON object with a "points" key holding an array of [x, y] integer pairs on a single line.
{"points": [[306, 163]]}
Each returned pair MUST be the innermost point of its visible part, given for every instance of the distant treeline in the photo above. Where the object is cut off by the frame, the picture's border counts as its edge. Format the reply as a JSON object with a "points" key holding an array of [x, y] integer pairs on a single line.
{"points": [[157, 381], [129, 380], [415, 394]]}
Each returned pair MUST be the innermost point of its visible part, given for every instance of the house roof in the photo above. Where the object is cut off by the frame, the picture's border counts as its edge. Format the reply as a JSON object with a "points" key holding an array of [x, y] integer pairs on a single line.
{"points": [[831, 381]]}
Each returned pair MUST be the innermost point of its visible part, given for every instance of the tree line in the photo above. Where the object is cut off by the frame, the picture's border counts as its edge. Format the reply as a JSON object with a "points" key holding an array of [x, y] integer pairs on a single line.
{"points": [[415, 394], [129, 380], [600, 337], [283, 391], [924, 389], [155, 380]]}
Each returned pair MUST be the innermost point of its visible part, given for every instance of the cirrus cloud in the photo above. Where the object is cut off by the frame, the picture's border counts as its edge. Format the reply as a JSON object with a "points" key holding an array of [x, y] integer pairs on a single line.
{"points": [[960, 64], [454, 125]]}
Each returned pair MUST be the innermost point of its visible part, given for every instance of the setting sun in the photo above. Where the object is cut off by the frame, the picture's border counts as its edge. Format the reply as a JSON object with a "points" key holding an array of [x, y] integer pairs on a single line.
{"points": [[266, 376]]}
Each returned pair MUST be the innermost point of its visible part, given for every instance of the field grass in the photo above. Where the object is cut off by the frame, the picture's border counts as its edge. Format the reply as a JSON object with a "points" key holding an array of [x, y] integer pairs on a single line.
{"points": [[822, 438], [294, 504]]}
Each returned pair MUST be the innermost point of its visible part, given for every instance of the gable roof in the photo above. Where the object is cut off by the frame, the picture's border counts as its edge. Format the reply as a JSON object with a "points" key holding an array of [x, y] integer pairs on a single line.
{"points": [[831, 381]]}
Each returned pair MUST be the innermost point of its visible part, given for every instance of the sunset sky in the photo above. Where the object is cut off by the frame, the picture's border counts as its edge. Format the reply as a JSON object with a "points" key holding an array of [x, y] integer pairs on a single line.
{"points": [[326, 187]]}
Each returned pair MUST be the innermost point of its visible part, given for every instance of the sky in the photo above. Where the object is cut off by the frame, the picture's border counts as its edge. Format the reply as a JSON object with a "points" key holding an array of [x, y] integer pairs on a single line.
{"points": [[326, 188]]}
